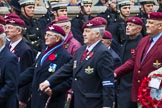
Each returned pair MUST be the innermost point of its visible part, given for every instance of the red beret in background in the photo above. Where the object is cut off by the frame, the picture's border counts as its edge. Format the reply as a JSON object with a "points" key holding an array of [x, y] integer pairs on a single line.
{"points": [[16, 22], [107, 35], [135, 20], [56, 29]]}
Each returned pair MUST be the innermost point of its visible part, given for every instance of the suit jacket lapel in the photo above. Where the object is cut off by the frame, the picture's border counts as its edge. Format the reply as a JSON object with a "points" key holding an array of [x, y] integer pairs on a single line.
{"points": [[141, 51], [153, 49], [85, 61]]}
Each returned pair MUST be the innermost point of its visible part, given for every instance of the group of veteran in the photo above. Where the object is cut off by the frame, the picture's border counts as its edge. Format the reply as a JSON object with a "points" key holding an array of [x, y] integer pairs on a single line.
{"points": [[63, 66]]}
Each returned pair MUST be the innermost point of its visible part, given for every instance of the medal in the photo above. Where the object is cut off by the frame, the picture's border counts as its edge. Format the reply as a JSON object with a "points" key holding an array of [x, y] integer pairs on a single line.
{"points": [[75, 64], [52, 68]]}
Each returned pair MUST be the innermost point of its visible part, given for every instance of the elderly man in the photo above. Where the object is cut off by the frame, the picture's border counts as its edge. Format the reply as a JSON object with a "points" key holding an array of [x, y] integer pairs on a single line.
{"points": [[133, 32], [70, 43], [14, 31], [8, 74], [147, 56], [47, 64], [91, 70], [107, 40]]}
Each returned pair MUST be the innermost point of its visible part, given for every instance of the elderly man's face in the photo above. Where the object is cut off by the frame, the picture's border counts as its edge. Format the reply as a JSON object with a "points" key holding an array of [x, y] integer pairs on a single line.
{"points": [[153, 27], [65, 25], [132, 29], [11, 31], [51, 38], [89, 36]]}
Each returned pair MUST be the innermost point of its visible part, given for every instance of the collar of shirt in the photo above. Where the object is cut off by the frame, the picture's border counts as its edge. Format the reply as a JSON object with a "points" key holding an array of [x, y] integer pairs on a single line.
{"points": [[2, 48], [155, 39], [13, 45], [92, 46]]}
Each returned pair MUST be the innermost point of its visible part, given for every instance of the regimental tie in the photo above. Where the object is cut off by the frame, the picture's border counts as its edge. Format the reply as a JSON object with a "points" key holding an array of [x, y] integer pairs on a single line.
{"points": [[84, 55], [146, 49], [10, 47]]}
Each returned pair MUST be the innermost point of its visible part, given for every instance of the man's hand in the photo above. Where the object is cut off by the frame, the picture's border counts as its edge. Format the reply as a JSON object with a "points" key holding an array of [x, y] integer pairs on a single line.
{"points": [[115, 75], [69, 97], [22, 105], [48, 91], [44, 85]]}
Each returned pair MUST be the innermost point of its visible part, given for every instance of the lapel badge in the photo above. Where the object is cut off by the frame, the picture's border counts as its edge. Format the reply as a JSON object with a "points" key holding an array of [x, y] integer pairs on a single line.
{"points": [[89, 25], [132, 51], [89, 70], [157, 64], [75, 64], [52, 68]]}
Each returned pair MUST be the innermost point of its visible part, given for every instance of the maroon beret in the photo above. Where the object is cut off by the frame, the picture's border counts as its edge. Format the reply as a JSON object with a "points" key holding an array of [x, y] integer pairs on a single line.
{"points": [[155, 15], [11, 15], [107, 35], [16, 21], [93, 24], [99, 20], [135, 20], [2, 20], [61, 19], [1, 30], [56, 29]]}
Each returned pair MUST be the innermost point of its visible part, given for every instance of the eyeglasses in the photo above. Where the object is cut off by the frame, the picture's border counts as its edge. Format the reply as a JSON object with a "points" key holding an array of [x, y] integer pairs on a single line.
{"points": [[49, 35]]}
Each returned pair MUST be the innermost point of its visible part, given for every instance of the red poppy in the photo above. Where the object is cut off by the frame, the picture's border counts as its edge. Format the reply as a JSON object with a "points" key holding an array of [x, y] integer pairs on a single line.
{"points": [[52, 57]]}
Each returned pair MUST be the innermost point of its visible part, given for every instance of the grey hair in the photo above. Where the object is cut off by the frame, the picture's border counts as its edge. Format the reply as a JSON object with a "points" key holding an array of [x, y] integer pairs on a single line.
{"points": [[58, 34], [100, 30], [67, 23], [3, 36]]}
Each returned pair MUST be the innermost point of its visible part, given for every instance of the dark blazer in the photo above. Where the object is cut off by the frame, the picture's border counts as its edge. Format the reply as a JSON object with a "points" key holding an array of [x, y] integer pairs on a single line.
{"points": [[8, 79], [116, 59], [141, 70], [125, 84], [25, 57], [93, 79], [38, 74]]}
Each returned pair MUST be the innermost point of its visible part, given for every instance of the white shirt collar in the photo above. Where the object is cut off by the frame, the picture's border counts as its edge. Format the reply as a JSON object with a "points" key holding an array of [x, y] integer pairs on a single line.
{"points": [[13, 45], [92, 46]]}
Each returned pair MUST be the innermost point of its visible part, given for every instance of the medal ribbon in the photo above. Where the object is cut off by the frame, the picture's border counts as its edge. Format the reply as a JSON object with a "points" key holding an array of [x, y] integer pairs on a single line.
{"points": [[48, 53]]}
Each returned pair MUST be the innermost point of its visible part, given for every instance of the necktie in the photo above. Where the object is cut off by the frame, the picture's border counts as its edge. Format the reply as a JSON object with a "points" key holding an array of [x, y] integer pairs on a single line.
{"points": [[10, 47], [84, 55], [146, 48]]}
